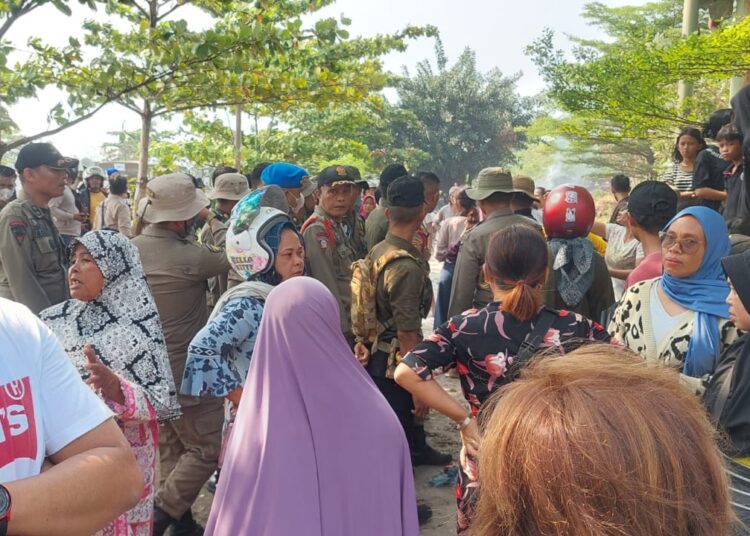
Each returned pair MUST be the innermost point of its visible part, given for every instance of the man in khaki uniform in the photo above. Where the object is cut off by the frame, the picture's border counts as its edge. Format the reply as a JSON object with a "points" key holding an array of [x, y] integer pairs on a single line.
{"points": [[493, 191], [403, 299], [229, 188], [376, 225], [32, 255], [328, 248], [177, 269]]}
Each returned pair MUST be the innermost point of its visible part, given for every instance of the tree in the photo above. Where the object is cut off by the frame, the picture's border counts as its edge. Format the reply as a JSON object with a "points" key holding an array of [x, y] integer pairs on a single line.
{"points": [[631, 82], [463, 119]]}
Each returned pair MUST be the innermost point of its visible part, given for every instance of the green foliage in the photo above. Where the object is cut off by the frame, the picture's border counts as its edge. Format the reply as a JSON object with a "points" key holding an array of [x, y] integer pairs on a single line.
{"points": [[631, 81], [462, 119]]}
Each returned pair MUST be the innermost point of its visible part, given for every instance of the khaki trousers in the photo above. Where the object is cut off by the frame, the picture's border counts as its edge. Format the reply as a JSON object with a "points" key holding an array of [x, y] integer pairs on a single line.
{"points": [[189, 454]]}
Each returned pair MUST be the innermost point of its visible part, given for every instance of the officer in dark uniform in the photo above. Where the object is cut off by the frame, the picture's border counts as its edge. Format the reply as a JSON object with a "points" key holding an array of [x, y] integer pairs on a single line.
{"points": [[376, 225], [403, 300], [32, 255]]}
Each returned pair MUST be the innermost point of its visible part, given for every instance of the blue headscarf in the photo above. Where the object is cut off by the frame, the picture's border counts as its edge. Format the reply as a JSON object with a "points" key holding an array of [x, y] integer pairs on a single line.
{"points": [[272, 238], [703, 292]]}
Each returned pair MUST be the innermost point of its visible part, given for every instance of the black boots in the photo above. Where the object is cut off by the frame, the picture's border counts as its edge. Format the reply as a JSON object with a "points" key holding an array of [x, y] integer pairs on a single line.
{"points": [[185, 526]]}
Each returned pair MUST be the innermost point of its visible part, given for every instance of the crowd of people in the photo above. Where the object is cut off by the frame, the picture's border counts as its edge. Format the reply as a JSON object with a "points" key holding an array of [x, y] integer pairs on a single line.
{"points": [[266, 337]]}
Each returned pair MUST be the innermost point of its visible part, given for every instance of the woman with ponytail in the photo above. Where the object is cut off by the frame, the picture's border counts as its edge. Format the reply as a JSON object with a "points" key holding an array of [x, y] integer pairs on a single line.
{"points": [[485, 345]]}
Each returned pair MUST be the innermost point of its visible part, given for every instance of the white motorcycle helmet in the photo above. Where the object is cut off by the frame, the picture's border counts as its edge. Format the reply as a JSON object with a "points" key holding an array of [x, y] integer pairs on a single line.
{"points": [[94, 171], [247, 251]]}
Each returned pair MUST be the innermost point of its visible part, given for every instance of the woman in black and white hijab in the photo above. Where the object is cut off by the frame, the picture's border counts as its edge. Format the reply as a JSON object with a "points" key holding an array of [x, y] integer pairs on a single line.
{"points": [[112, 333]]}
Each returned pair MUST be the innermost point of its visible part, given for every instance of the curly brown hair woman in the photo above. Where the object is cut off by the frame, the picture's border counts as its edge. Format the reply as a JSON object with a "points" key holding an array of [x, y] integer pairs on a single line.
{"points": [[599, 443]]}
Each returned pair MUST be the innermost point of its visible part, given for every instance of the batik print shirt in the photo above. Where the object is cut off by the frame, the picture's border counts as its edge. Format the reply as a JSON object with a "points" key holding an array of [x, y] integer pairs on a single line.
{"points": [[482, 343], [219, 355]]}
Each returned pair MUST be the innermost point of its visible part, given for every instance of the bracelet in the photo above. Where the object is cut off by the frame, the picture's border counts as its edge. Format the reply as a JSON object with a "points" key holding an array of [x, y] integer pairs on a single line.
{"points": [[461, 427]]}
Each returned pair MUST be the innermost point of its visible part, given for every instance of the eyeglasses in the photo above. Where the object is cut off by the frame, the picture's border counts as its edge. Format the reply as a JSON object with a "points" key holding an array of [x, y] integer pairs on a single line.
{"points": [[687, 245]]}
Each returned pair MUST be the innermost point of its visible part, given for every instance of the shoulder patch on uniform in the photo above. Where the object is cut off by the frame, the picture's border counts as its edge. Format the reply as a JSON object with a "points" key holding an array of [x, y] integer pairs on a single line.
{"points": [[322, 239], [18, 228]]}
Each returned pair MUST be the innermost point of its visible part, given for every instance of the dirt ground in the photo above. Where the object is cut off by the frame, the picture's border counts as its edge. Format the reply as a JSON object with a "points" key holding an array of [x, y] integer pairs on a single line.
{"points": [[441, 434]]}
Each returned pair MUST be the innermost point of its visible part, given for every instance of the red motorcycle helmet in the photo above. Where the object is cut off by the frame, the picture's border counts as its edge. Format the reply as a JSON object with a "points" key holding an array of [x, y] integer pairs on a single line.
{"points": [[569, 212]]}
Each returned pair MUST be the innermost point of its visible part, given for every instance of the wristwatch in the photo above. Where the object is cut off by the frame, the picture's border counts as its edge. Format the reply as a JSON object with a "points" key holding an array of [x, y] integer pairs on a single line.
{"points": [[4, 509]]}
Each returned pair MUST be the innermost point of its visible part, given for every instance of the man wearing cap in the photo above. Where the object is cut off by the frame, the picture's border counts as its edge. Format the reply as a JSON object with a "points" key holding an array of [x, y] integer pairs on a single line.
{"points": [[32, 255], [289, 178], [493, 191], [652, 204], [229, 188], [376, 225], [328, 247], [403, 299], [177, 269], [91, 194]]}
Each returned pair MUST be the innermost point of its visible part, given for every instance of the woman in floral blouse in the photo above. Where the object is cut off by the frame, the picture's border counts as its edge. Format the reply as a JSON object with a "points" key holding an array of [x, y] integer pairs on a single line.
{"points": [[265, 249], [482, 344]]}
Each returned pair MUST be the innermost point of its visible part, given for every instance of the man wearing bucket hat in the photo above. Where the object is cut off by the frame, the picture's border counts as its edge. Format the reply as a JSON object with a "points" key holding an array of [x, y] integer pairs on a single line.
{"points": [[177, 269], [493, 191], [32, 255], [523, 202], [229, 188]]}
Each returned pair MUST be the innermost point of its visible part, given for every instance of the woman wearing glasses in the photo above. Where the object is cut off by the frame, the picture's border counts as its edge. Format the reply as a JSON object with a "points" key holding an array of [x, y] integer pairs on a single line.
{"points": [[681, 318]]}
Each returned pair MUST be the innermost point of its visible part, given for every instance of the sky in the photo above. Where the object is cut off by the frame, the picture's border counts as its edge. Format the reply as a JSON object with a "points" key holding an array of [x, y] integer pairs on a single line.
{"points": [[497, 30]]}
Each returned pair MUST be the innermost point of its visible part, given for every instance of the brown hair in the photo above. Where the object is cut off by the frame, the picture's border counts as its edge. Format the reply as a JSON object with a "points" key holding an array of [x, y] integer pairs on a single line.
{"points": [[599, 442], [517, 258]]}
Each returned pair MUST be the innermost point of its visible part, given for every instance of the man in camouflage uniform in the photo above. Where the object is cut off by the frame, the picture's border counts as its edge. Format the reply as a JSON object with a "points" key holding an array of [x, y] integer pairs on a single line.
{"points": [[328, 246], [32, 256]]}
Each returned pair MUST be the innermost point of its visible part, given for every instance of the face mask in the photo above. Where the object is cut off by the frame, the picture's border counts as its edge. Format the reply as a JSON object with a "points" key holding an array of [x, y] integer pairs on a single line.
{"points": [[6, 193], [299, 202]]}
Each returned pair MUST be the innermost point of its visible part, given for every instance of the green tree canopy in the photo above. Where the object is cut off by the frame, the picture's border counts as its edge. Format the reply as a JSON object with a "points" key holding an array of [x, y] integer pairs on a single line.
{"points": [[462, 119]]}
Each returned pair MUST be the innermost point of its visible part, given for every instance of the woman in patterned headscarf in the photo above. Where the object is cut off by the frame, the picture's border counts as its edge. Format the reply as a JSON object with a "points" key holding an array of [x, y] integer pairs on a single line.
{"points": [[112, 333]]}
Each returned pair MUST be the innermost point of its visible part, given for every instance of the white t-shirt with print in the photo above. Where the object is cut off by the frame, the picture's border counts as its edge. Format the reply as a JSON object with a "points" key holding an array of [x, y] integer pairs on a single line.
{"points": [[44, 404]]}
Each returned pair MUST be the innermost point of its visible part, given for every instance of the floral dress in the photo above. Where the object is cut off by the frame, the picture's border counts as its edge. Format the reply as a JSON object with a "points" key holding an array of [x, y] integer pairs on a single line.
{"points": [[219, 355], [138, 422], [481, 344]]}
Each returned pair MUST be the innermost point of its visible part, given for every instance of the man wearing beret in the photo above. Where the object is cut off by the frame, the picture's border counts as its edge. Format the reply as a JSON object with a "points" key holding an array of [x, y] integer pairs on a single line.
{"points": [[32, 255], [328, 245], [289, 178], [403, 299]]}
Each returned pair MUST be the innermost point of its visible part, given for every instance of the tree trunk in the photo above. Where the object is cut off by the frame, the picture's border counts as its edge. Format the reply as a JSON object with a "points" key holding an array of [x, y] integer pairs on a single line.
{"points": [[146, 119], [689, 26], [238, 138], [738, 82]]}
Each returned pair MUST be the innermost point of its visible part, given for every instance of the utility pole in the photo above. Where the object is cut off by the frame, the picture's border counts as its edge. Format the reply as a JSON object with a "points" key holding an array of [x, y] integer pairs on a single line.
{"points": [[738, 82], [689, 26]]}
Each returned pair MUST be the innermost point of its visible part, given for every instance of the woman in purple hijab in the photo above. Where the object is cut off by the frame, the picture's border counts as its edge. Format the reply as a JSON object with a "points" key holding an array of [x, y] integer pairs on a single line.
{"points": [[316, 449]]}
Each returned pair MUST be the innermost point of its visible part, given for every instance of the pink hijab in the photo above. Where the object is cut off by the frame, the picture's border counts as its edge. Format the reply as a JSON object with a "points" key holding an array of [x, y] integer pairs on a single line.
{"points": [[316, 449]]}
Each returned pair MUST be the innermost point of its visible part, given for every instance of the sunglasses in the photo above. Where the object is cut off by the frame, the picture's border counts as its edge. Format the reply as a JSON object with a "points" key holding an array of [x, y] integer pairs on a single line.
{"points": [[687, 245]]}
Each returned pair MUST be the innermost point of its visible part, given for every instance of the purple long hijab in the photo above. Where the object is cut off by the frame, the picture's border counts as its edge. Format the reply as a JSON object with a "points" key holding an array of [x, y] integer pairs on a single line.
{"points": [[316, 449]]}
